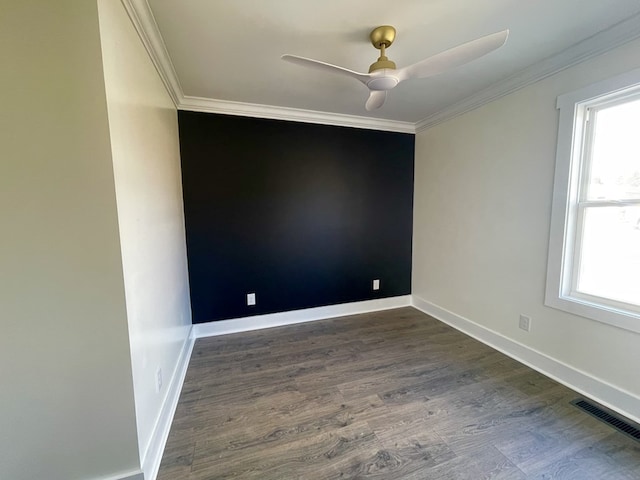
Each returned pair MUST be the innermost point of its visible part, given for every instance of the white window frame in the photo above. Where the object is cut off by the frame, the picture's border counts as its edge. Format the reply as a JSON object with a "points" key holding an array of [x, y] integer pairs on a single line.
{"points": [[561, 268]]}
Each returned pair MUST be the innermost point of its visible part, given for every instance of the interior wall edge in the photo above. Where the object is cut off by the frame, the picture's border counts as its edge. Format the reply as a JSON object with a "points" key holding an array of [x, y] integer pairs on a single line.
{"points": [[597, 389], [153, 455], [257, 322]]}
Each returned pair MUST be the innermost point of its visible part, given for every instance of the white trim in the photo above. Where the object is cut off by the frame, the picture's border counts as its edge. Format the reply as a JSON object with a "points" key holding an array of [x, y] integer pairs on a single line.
{"points": [[235, 325], [226, 107], [602, 42], [145, 24], [558, 291], [613, 86], [133, 475], [597, 389], [153, 456]]}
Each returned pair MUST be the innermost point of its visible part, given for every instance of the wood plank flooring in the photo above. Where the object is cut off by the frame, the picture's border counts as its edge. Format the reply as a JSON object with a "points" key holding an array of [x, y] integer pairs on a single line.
{"points": [[389, 395]]}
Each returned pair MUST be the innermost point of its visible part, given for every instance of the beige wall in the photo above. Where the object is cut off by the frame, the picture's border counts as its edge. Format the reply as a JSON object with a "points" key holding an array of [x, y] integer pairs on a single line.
{"points": [[66, 395], [483, 190], [146, 161]]}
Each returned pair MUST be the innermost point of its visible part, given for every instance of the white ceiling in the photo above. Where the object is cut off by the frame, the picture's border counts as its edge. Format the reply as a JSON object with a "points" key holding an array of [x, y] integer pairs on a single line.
{"points": [[229, 50]]}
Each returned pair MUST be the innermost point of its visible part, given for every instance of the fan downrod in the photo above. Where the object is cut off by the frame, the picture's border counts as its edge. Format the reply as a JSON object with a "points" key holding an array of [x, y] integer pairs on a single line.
{"points": [[381, 38]]}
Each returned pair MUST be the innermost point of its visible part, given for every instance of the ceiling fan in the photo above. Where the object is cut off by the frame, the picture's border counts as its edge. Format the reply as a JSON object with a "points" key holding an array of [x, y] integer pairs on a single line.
{"points": [[383, 74]]}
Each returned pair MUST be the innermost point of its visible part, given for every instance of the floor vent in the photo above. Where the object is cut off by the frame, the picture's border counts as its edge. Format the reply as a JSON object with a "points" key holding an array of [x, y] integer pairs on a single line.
{"points": [[616, 421]]}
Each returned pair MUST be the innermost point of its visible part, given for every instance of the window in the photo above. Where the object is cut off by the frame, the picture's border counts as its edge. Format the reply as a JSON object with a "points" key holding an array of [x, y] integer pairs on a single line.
{"points": [[594, 247]]}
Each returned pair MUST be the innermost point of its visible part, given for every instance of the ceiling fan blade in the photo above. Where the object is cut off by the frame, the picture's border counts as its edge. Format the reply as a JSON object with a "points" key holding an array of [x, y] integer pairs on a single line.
{"points": [[327, 67], [454, 57], [376, 99]]}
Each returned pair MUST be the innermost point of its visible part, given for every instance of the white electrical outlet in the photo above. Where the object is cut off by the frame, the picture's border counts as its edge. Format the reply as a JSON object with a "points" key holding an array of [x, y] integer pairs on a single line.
{"points": [[376, 284], [251, 298], [158, 380], [525, 323]]}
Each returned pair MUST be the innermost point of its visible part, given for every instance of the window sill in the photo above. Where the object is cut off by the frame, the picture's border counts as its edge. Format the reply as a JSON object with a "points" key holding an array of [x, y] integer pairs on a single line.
{"points": [[594, 311]]}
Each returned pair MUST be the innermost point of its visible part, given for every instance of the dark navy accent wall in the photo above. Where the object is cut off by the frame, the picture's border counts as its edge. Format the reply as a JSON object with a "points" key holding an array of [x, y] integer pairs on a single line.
{"points": [[303, 215]]}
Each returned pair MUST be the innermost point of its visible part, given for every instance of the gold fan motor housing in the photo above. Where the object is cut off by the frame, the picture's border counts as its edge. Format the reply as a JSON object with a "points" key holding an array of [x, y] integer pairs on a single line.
{"points": [[381, 38], [384, 35]]}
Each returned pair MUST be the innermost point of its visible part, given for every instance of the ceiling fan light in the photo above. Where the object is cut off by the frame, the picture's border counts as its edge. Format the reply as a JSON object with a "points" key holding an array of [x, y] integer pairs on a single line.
{"points": [[386, 82]]}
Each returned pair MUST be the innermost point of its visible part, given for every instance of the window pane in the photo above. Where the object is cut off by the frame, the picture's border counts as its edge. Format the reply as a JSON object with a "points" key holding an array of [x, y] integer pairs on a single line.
{"points": [[615, 161], [610, 254]]}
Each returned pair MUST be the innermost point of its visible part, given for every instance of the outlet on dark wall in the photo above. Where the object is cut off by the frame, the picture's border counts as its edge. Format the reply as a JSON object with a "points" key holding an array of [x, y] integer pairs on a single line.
{"points": [[302, 215]]}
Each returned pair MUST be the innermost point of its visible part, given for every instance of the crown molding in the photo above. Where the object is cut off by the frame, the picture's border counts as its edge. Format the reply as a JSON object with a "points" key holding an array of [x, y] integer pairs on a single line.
{"points": [[597, 44], [145, 24], [226, 107]]}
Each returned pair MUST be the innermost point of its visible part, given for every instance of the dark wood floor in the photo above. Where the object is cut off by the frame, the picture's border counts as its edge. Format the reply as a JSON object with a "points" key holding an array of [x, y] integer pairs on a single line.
{"points": [[390, 395]]}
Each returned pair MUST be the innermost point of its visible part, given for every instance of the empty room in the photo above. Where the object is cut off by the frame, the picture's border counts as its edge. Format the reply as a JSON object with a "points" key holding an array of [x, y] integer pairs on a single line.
{"points": [[320, 240]]}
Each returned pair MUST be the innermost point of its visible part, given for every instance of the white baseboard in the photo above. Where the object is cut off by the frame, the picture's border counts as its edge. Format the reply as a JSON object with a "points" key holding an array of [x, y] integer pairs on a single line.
{"points": [[602, 392], [235, 325], [134, 475], [153, 457]]}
